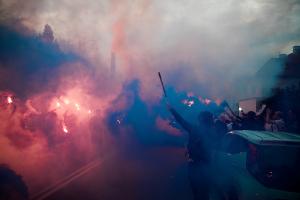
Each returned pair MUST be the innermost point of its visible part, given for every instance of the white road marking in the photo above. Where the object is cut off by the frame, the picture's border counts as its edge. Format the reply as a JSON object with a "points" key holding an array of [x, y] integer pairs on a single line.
{"points": [[65, 181]]}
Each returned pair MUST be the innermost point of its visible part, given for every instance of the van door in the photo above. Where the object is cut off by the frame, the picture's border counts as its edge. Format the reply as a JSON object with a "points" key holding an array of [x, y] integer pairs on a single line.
{"points": [[229, 162]]}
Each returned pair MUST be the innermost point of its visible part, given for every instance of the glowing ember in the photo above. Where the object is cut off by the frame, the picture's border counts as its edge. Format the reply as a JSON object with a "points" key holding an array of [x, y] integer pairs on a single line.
{"points": [[9, 100], [207, 101], [189, 103], [65, 128]]}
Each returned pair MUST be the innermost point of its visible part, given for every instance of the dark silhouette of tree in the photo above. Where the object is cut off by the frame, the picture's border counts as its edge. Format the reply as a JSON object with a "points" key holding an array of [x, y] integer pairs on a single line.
{"points": [[47, 35]]}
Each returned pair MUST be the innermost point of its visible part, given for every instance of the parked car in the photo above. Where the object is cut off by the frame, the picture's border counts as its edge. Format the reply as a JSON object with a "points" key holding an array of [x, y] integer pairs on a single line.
{"points": [[257, 165]]}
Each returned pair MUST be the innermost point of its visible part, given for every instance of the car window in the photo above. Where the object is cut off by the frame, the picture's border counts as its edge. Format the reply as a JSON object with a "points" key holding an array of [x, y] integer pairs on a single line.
{"points": [[233, 144]]}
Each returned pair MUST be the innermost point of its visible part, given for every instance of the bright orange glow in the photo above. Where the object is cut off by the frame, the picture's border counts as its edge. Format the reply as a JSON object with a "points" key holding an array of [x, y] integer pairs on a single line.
{"points": [[189, 103], [66, 101], [9, 100], [77, 106], [65, 128], [218, 101], [207, 101]]}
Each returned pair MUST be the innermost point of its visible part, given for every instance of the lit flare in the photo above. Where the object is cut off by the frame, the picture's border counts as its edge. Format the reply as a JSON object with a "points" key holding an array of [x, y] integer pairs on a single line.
{"points": [[65, 129], [9, 100]]}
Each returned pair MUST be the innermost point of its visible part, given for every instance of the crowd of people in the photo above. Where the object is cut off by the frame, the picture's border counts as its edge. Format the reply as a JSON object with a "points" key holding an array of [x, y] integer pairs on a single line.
{"points": [[202, 135], [280, 112], [266, 119]]}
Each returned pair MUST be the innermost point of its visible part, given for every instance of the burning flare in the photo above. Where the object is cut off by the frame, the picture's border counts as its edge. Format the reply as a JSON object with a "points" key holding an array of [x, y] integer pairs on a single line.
{"points": [[189, 103], [65, 129], [9, 100]]}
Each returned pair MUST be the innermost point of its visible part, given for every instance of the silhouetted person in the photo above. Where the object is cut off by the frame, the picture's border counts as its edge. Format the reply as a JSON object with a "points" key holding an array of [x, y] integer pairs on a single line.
{"points": [[12, 187], [292, 124], [200, 145], [252, 122], [274, 122], [220, 128]]}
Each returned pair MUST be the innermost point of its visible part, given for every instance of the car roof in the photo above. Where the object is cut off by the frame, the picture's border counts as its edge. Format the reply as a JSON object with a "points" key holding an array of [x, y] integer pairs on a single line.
{"points": [[269, 138]]}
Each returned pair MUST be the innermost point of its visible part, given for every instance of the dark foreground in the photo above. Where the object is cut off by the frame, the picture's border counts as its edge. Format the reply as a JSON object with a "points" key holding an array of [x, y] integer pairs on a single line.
{"points": [[156, 173]]}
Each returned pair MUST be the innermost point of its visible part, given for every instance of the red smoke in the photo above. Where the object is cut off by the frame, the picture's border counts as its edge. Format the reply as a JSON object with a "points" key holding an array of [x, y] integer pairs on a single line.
{"points": [[58, 131]]}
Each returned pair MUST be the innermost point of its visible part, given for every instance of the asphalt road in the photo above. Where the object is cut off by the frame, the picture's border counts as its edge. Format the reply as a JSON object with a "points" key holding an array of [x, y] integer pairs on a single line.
{"points": [[152, 173]]}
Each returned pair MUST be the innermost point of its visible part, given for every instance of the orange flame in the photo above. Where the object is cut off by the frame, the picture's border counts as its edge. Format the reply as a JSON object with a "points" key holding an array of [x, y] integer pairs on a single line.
{"points": [[65, 129], [205, 100], [189, 103], [9, 100]]}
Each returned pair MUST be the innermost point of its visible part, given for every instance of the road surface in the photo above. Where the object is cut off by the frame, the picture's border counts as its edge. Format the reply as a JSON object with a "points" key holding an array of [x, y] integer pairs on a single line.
{"points": [[151, 173]]}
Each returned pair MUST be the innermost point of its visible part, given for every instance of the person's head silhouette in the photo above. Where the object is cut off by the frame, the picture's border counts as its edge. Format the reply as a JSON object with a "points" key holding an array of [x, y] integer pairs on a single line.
{"points": [[12, 187]]}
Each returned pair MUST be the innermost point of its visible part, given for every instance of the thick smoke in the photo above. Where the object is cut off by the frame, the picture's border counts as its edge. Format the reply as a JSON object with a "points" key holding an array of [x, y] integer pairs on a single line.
{"points": [[53, 107], [201, 39], [61, 98], [28, 60]]}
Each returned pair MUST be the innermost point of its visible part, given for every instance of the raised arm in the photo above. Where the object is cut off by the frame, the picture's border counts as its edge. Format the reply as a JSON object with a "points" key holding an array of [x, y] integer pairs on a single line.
{"points": [[186, 125]]}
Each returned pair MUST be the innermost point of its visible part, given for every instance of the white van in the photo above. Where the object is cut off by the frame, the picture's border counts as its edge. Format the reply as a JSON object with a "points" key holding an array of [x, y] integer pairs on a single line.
{"points": [[257, 165]]}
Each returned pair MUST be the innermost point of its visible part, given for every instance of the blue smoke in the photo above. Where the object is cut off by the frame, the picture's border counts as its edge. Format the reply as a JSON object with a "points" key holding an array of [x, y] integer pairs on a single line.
{"points": [[29, 63]]}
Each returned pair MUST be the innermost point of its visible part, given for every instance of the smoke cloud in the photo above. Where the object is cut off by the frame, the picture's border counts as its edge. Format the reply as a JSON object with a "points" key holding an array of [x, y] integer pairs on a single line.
{"points": [[66, 99], [202, 39]]}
